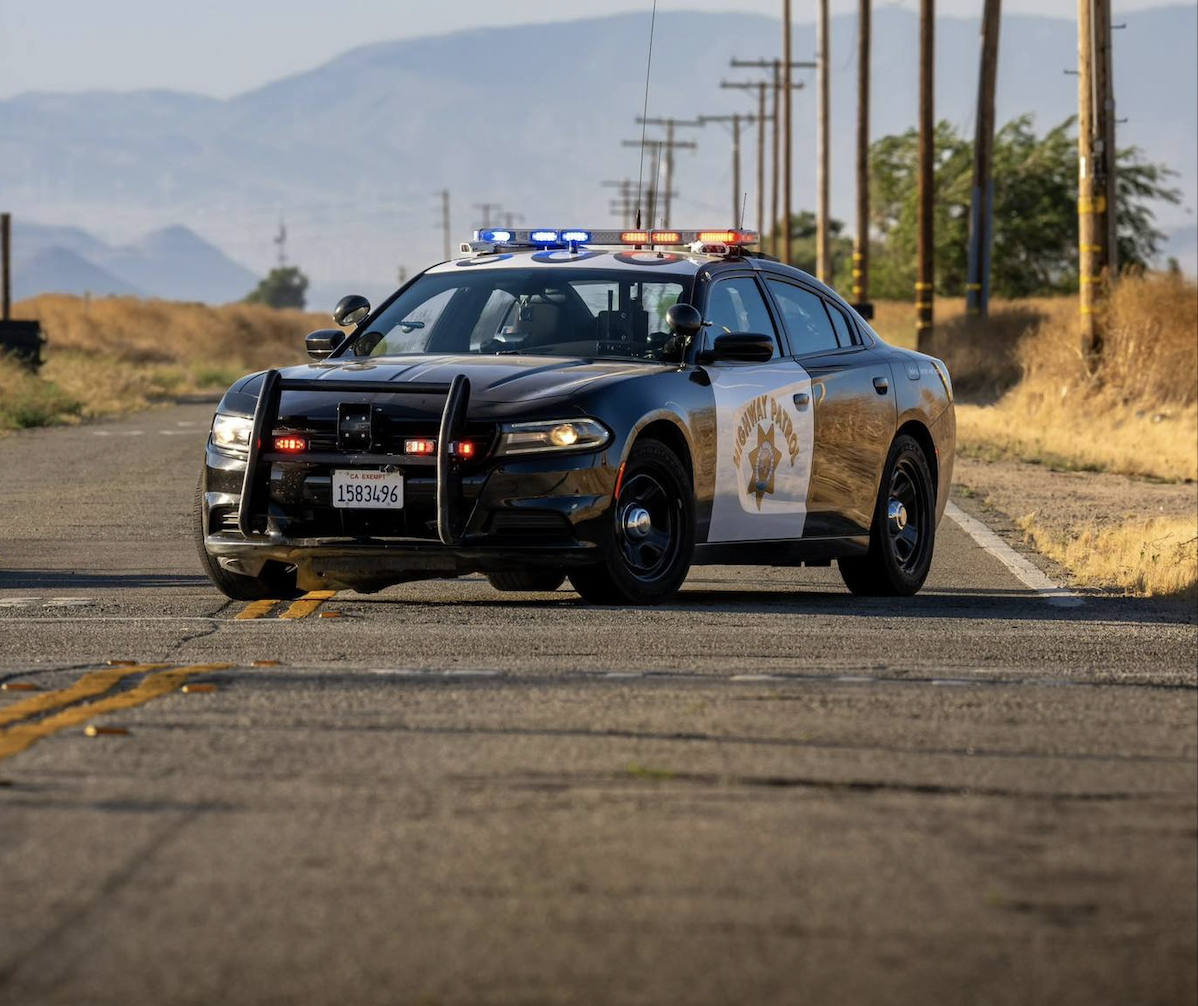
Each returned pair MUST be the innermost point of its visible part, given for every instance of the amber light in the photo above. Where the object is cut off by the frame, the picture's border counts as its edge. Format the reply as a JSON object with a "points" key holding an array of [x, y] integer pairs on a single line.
{"points": [[420, 447], [635, 237], [667, 238], [291, 445]]}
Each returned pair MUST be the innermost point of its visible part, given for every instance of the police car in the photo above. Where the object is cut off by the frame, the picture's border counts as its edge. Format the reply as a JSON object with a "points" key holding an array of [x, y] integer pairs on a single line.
{"points": [[608, 407]]}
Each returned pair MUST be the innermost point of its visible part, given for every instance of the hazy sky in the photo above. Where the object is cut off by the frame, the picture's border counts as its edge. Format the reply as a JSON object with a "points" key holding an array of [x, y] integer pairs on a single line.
{"points": [[223, 47]]}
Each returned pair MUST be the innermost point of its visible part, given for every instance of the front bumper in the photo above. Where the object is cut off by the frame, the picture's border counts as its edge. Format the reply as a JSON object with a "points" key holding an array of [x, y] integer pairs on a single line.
{"points": [[547, 511]]}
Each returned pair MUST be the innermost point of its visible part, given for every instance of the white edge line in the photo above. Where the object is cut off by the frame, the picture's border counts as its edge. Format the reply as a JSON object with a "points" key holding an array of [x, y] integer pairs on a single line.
{"points": [[1024, 571]]}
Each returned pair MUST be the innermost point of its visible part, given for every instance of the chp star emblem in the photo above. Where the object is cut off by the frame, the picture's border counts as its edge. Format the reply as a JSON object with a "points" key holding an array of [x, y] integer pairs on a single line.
{"points": [[763, 465]]}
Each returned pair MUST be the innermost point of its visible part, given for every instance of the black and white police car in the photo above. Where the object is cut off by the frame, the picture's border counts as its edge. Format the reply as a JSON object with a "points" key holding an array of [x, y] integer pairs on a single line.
{"points": [[605, 406]]}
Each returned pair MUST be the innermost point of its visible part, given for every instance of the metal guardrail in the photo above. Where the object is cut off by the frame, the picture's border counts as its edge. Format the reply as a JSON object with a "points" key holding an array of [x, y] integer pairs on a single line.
{"points": [[252, 514]]}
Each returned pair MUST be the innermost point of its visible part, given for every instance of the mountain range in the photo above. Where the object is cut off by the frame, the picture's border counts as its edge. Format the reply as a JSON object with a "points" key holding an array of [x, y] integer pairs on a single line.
{"points": [[173, 263], [351, 153]]}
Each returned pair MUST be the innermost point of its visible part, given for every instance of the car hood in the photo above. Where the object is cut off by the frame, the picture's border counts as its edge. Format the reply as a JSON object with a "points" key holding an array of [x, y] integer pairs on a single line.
{"points": [[499, 380]]}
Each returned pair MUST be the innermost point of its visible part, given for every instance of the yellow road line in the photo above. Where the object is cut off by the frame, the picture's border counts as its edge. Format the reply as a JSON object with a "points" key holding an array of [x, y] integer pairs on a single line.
{"points": [[87, 687], [308, 603], [256, 609], [25, 735]]}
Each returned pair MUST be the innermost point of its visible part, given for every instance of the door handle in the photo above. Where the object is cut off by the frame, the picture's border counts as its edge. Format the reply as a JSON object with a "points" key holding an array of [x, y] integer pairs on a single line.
{"points": [[802, 399], [881, 384]]}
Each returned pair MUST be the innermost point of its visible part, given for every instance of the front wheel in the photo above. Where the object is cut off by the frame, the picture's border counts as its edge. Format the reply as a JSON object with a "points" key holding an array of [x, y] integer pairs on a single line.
{"points": [[653, 536], [903, 532]]}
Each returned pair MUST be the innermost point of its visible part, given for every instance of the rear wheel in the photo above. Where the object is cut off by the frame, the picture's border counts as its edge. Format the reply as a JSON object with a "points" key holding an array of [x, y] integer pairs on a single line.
{"points": [[540, 580], [274, 581], [654, 533], [903, 533]]}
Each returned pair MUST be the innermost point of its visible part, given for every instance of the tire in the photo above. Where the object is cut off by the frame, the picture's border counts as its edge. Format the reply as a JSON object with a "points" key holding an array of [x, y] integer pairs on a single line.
{"points": [[539, 580], [900, 547], [649, 557], [275, 580]]}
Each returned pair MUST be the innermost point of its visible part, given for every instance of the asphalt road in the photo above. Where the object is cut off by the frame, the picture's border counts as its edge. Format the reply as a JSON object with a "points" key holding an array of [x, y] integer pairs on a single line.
{"points": [[765, 792]]}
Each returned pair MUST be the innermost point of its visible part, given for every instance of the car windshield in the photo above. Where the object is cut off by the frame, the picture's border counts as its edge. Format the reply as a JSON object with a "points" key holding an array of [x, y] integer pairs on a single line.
{"points": [[601, 313]]}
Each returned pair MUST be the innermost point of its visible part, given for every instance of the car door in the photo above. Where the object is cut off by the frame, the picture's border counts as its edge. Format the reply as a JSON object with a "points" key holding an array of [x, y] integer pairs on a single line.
{"points": [[763, 442], [852, 404]]}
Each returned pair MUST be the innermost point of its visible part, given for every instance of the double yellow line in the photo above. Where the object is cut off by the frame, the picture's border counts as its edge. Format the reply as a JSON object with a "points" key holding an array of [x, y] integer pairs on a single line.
{"points": [[20, 729], [301, 608]]}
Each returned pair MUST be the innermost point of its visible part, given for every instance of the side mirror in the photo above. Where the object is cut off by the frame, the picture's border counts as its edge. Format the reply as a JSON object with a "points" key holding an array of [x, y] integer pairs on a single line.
{"points": [[322, 343], [740, 347], [350, 310], [684, 320]]}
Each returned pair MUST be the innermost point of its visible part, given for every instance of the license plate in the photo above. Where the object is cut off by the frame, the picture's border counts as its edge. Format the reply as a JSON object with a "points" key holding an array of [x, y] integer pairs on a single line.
{"points": [[357, 489]]}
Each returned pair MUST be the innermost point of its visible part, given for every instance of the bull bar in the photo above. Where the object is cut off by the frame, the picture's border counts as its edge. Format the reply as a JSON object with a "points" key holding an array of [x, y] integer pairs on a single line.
{"points": [[252, 517]]}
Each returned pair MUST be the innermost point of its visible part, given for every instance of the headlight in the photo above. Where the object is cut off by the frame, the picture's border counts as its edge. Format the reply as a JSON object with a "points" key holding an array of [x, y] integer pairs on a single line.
{"points": [[231, 434], [552, 435]]}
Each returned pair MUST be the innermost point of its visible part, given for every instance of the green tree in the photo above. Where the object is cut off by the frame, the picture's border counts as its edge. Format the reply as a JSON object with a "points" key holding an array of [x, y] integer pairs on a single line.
{"points": [[1035, 210], [285, 286]]}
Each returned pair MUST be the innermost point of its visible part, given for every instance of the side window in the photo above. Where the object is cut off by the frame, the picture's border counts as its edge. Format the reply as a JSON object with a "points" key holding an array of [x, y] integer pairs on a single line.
{"points": [[840, 323], [807, 323], [736, 305]]}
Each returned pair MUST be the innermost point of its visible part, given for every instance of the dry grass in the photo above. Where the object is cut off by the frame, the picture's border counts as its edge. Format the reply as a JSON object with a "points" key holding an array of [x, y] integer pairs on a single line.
{"points": [[1136, 415], [115, 355], [1154, 558]]}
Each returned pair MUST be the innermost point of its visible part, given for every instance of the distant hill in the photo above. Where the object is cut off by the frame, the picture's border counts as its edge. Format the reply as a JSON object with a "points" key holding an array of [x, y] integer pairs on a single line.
{"points": [[173, 263], [532, 117]]}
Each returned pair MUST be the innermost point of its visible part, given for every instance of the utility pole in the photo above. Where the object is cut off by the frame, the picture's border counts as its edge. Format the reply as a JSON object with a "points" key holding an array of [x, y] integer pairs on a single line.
{"points": [[486, 209], [823, 258], [861, 245], [981, 214], [1092, 209], [776, 115], [5, 266], [280, 240], [446, 245], [736, 119], [624, 205], [1104, 128], [924, 285], [787, 148], [760, 87], [668, 147], [509, 219]]}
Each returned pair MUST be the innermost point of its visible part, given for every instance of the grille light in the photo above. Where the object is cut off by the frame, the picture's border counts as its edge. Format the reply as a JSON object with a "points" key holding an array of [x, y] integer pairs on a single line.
{"points": [[291, 444]]}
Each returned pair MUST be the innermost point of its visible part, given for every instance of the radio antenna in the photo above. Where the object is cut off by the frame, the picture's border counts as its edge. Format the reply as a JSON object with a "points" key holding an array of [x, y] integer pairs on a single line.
{"points": [[640, 177], [743, 203]]}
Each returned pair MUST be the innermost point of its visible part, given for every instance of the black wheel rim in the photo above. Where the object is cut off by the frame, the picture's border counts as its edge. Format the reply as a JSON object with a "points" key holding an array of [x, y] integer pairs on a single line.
{"points": [[648, 546], [908, 516]]}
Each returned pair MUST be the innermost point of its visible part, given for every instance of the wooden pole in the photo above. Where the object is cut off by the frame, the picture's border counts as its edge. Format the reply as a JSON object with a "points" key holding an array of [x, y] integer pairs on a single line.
{"points": [[776, 238], [5, 266], [761, 160], [786, 127], [861, 244], [1104, 93], [981, 214], [736, 221], [1091, 198], [823, 258], [924, 285]]}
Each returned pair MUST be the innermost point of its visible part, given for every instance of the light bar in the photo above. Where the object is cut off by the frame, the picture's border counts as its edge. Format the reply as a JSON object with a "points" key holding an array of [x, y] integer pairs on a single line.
{"points": [[550, 237]]}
